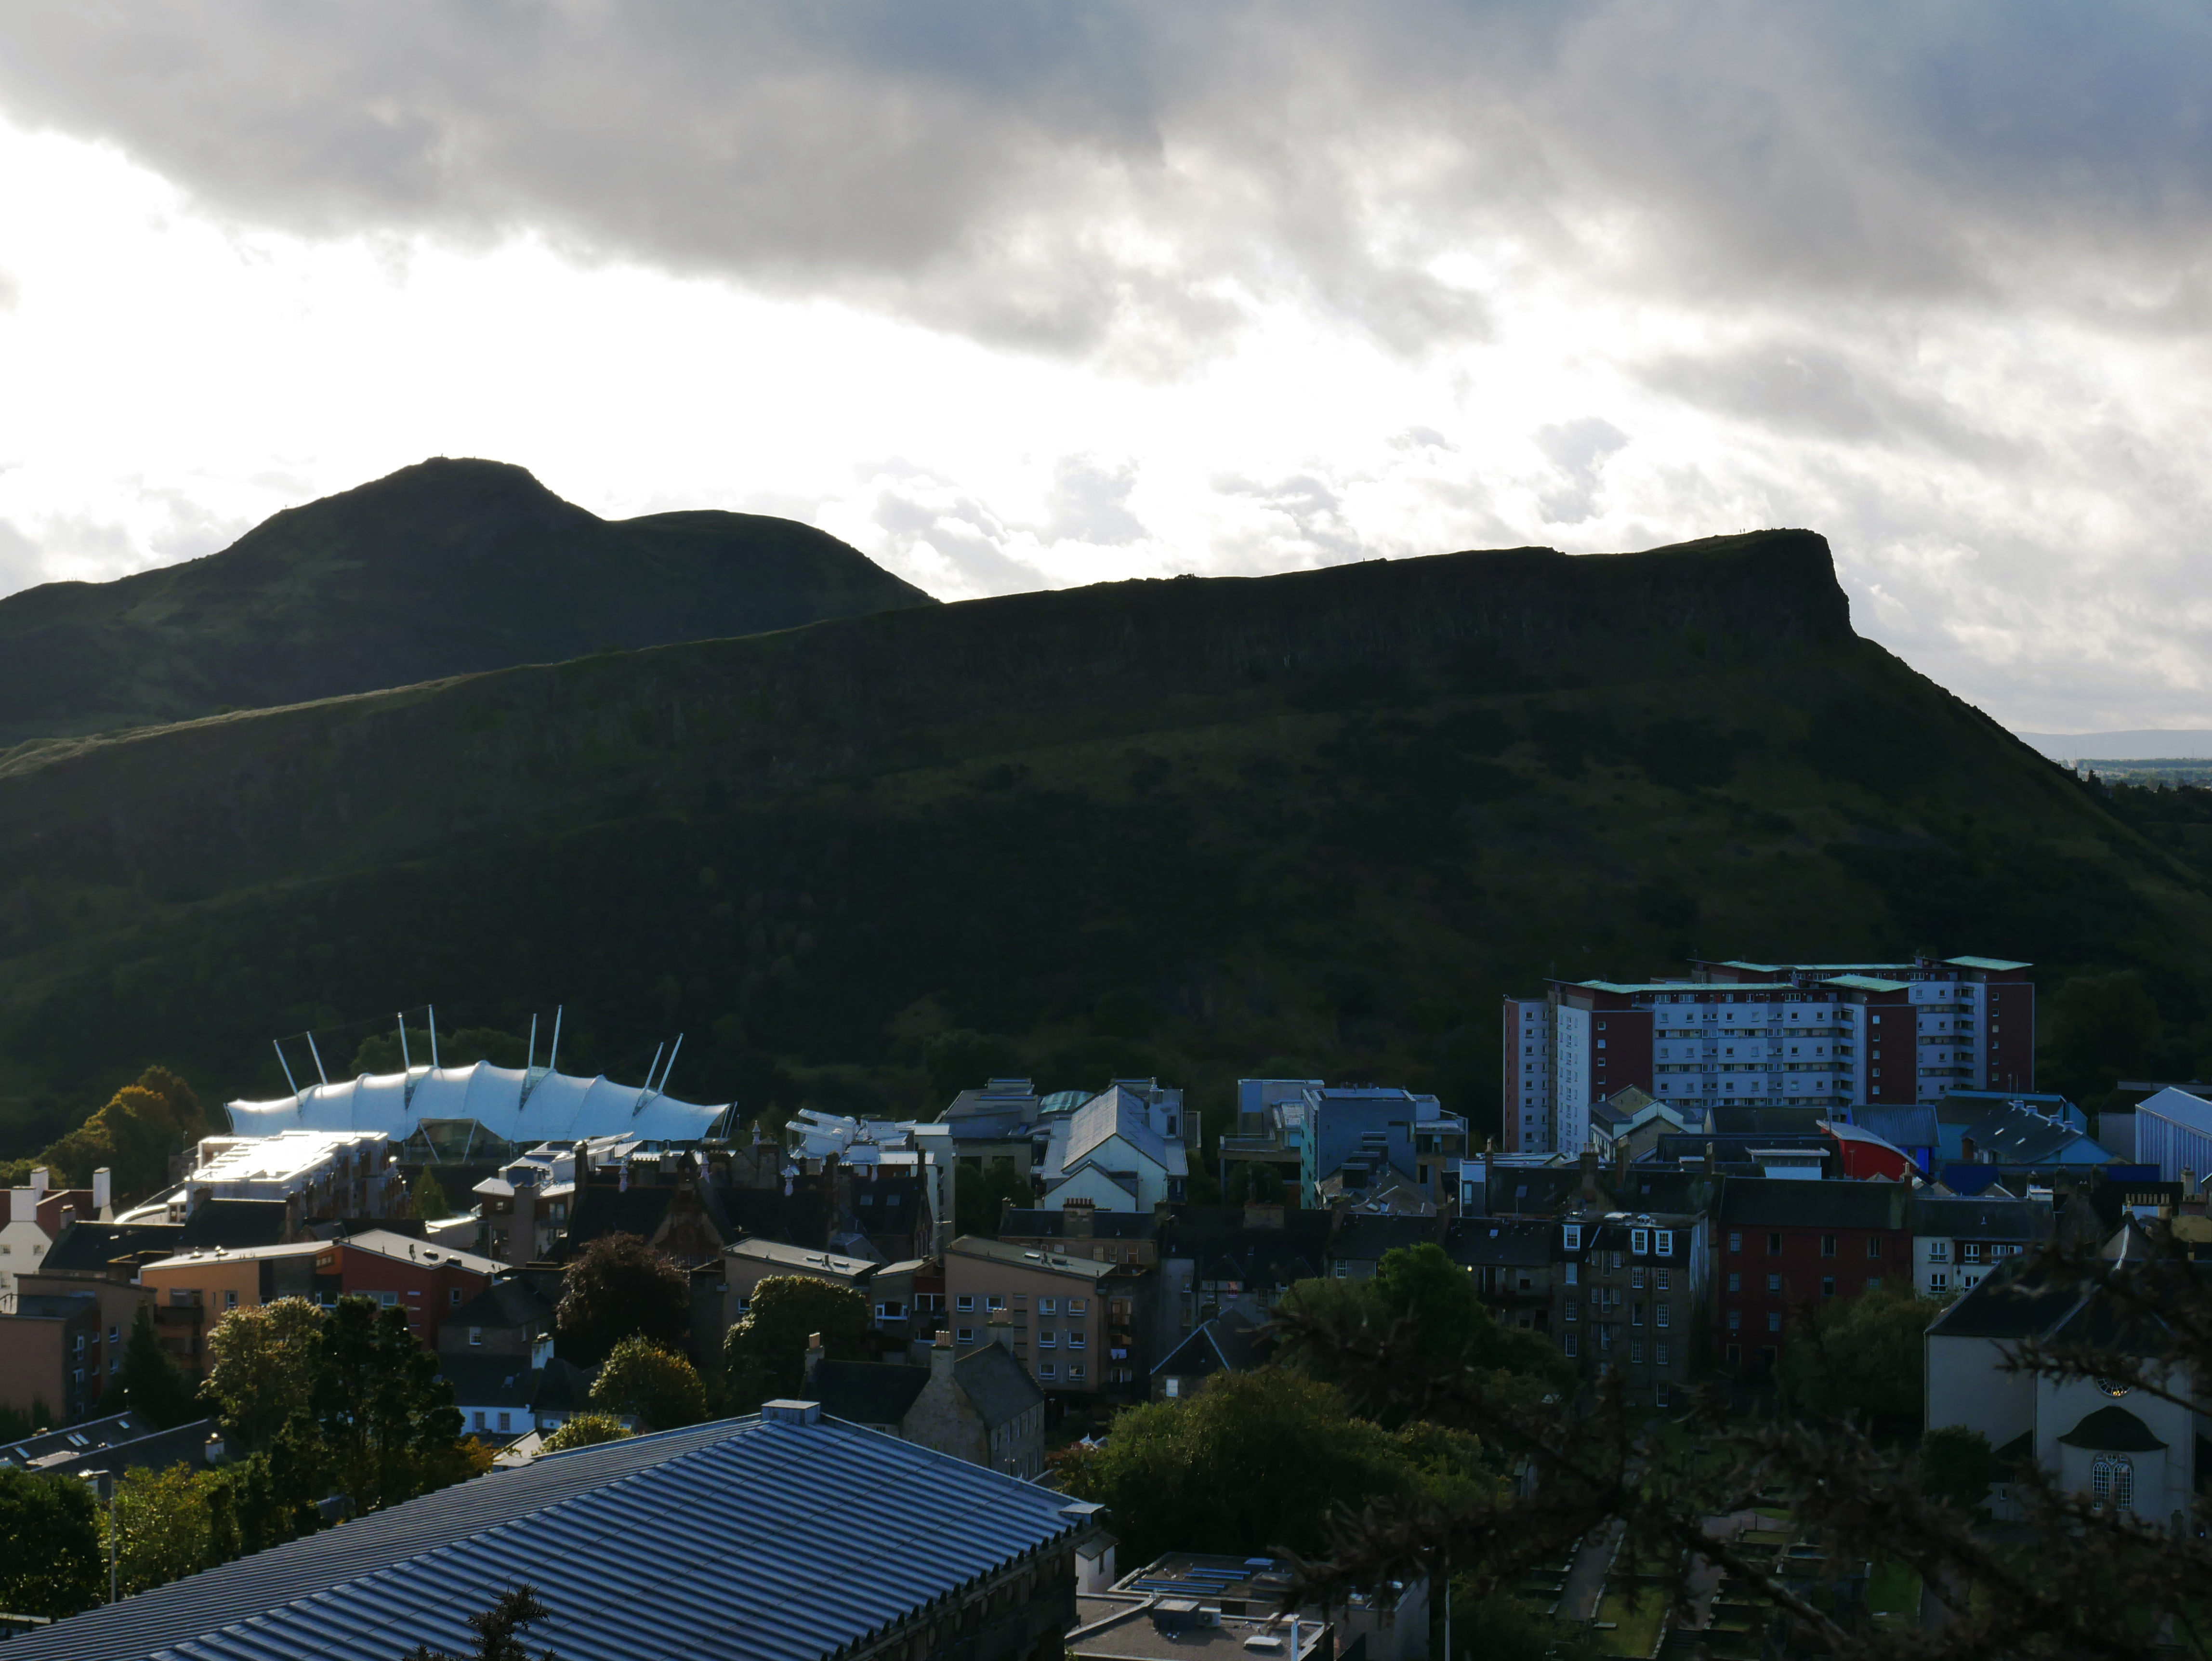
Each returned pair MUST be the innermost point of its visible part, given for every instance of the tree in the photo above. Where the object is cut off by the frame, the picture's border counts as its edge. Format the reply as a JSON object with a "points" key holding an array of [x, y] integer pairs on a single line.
{"points": [[583, 1431], [429, 1200], [979, 1197], [2101, 1027], [153, 1386], [161, 1527], [387, 1419], [1956, 1464], [132, 1135], [2097, 1580], [619, 1287], [640, 1378], [764, 1354], [496, 1631], [1254, 1462], [963, 1059], [1864, 1355], [263, 1368], [1419, 1292], [51, 1559]]}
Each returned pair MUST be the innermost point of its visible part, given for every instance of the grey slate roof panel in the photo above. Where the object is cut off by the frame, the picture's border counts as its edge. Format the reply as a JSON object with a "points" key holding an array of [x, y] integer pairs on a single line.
{"points": [[729, 1540], [1791, 1203], [999, 1386], [867, 1392]]}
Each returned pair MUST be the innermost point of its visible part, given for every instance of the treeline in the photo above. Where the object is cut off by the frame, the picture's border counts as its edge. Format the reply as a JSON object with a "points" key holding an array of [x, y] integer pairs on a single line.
{"points": [[133, 1136]]}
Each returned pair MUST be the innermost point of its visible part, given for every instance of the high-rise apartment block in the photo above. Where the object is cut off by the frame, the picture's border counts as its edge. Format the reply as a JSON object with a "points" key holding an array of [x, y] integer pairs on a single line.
{"points": [[1758, 1034]]}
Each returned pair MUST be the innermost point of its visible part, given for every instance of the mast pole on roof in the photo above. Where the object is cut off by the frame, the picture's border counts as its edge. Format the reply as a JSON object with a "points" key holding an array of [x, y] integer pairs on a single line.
{"points": [[530, 1061], [671, 1067], [279, 1045], [405, 1066], [554, 1051], [432, 1010], [646, 1094], [318, 1055]]}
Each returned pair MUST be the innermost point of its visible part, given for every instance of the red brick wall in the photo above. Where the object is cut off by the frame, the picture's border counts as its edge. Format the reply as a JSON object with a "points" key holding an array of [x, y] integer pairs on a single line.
{"points": [[2011, 1037], [1803, 1268], [1626, 1058], [1893, 1046], [425, 1290]]}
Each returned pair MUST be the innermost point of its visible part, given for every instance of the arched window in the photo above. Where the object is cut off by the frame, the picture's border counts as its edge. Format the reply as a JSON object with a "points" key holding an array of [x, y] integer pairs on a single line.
{"points": [[2112, 1481]]}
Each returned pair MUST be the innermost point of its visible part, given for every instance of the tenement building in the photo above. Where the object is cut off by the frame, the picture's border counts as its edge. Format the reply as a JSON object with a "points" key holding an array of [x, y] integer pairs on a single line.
{"points": [[1827, 1034]]}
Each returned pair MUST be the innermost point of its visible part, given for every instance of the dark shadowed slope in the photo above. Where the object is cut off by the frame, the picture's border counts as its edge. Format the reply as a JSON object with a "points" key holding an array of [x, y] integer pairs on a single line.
{"points": [[442, 569], [1317, 821]]}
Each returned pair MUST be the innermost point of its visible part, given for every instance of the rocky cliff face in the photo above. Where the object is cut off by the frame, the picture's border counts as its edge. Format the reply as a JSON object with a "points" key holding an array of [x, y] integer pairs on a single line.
{"points": [[376, 776]]}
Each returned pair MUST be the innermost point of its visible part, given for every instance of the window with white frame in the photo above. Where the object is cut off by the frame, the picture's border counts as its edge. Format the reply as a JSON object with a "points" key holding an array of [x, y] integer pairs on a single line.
{"points": [[1075, 1374], [1639, 1241], [1665, 1243], [965, 1303], [964, 1334], [1571, 1236], [1075, 1338], [1075, 1305]]}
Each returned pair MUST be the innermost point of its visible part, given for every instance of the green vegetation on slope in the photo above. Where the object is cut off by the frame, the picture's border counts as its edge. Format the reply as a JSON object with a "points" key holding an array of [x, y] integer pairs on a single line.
{"points": [[446, 568], [1325, 819]]}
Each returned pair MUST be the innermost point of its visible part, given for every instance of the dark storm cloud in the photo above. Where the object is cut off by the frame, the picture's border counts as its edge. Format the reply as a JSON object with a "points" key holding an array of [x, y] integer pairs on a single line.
{"points": [[1135, 176]]}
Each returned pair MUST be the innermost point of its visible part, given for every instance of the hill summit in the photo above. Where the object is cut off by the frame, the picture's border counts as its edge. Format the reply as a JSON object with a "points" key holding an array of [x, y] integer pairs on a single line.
{"points": [[449, 567]]}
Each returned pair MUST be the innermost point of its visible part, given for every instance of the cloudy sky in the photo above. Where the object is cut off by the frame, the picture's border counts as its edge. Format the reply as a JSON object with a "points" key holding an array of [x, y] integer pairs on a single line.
{"points": [[1016, 295]]}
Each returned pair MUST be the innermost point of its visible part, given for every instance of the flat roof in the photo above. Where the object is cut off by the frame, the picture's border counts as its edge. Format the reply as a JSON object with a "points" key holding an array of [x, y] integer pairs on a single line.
{"points": [[1021, 1257]]}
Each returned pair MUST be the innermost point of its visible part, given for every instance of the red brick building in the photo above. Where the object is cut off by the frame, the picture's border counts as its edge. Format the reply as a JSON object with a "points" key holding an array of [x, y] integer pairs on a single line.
{"points": [[1783, 1247], [429, 1281]]}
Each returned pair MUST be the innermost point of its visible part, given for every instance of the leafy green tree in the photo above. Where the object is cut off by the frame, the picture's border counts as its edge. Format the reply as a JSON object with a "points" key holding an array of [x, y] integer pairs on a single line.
{"points": [[1419, 1291], [1866, 1355], [979, 1197], [1254, 1462], [764, 1354], [429, 1198], [263, 1368], [1957, 1464], [620, 1287], [583, 1431], [963, 1059], [161, 1527], [52, 1560], [153, 1386], [498, 1629], [387, 1419], [380, 1051], [2102, 1026], [656, 1384], [132, 1135]]}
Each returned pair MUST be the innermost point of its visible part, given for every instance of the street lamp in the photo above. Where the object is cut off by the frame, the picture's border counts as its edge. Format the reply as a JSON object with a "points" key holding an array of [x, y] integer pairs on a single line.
{"points": [[103, 1483]]}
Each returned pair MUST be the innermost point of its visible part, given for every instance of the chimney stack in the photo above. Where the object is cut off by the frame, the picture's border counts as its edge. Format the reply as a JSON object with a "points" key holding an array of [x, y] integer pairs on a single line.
{"points": [[38, 1184], [814, 1353], [102, 1190], [1709, 1160], [1589, 1175], [941, 1356]]}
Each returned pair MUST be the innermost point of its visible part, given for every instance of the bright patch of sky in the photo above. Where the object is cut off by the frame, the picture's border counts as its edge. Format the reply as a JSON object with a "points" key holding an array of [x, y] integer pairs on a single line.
{"points": [[1009, 303]]}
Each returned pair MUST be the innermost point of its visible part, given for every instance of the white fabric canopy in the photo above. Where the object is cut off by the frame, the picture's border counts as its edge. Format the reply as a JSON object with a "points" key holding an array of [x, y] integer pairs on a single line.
{"points": [[557, 1107]]}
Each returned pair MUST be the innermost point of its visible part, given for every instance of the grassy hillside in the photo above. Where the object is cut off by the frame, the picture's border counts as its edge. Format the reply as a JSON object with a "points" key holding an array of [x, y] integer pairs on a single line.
{"points": [[1322, 819], [443, 569]]}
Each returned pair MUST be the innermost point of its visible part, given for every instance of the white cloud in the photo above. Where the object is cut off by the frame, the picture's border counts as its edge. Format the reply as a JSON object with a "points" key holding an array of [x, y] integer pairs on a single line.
{"points": [[1134, 288]]}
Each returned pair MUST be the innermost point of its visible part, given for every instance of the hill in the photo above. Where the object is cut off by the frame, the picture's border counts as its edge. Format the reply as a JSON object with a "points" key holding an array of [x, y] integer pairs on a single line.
{"points": [[443, 569], [1320, 821]]}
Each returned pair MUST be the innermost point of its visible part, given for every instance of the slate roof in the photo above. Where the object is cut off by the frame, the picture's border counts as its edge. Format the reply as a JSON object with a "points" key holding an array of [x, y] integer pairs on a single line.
{"points": [[1499, 1243], [122, 1441], [87, 1247], [1361, 1239], [2112, 1430], [1529, 1191], [509, 1381], [232, 1224], [867, 1392], [1050, 1223], [1115, 1111], [1956, 1217], [2009, 1303], [1794, 1202], [1765, 1121], [505, 1303], [1900, 1127], [729, 1541], [1227, 1343], [998, 1385], [2014, 1134]]}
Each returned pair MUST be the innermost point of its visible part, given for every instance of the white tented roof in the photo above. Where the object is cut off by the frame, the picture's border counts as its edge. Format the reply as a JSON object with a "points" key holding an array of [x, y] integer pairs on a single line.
{"points": [[557, 1107]]}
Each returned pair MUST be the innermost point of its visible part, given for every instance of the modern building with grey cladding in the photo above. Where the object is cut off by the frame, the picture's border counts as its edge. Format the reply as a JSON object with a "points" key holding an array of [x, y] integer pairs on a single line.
{"points": [[729, 1541]]}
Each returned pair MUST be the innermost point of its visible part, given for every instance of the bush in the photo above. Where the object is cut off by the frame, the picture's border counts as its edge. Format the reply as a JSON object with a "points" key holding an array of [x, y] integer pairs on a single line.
{"points": [[583, 1431], [641, 1378], [620, 1287]]}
